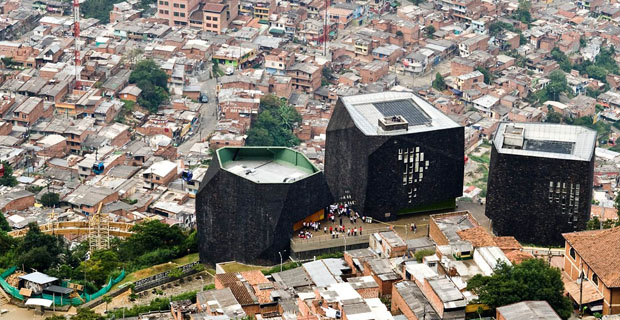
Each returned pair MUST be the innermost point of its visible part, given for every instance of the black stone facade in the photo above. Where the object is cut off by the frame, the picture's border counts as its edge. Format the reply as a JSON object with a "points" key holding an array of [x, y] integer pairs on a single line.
{"points": [[249, 222], [368, 169], [520, 201]]}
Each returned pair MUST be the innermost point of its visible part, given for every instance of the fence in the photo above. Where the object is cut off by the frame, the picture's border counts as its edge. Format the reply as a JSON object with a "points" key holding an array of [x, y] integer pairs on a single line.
{"points": [[161, 278], [59, 301], [7, 287]]}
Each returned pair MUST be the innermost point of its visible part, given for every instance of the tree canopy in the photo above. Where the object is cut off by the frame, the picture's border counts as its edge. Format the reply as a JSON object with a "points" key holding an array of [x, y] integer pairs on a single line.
{"points": [[557, 84], [561, 58], [488, 77], [523, 12], [152, 81], [430, 30], [4, 224], [532, 279], [40, 251], [439, 83], [275, 123], [50, 199], [100, 265], [8, 179]]}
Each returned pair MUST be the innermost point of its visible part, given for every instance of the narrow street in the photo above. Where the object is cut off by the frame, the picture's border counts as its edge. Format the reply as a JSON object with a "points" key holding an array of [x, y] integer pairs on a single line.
{"points": [[208, 118]]}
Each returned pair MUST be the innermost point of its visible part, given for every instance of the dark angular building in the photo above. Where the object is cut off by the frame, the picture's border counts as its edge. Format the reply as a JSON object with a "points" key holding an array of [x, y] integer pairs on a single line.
{"points": [[393, 153], [250, 200], [540, 181]]}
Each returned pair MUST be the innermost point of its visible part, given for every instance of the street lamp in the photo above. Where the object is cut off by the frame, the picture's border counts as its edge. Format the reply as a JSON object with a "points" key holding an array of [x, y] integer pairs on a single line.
{"points": [[280, 253]]}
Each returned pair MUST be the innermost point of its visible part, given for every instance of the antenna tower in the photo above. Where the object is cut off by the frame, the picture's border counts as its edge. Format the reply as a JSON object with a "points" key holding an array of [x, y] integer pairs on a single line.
{"points": [[76, 35]]}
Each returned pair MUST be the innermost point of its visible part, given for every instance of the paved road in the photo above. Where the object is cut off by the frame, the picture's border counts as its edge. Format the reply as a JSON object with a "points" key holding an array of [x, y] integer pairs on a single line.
{"points": [[208, 118]]}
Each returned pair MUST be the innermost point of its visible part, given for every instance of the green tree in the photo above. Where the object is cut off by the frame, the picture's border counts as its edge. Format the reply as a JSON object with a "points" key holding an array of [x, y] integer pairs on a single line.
{"points": [[7, 179], [288, 116], [98, 9], [50, 199], [38, 250], [6, 242], [439, 82], [274, 125], [4, 224], [8, 62], [430, 30], [617, 204], [583, 42], [487, 74], [532, 279], [561, 58], [606, 59], [523, 12], [596, 72], [259, 137], [270, 102], [152, 81], [100, 265], [150, 236], [593, 224], [553, 117], [556, 85], [86, 314]]}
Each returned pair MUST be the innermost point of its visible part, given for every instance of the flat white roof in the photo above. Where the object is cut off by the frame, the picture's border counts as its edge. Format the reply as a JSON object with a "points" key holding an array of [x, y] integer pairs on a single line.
{"points": [[267, 171], [546, 140], [367, 109], [161, 168]]}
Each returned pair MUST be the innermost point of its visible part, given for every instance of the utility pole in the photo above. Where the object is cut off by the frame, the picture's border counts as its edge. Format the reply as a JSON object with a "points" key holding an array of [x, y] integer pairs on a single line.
{"points": [[581, 291]]}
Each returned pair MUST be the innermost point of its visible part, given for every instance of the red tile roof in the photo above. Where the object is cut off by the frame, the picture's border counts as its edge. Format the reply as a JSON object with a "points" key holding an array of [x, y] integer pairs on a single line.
{"points": [[600, 250]]}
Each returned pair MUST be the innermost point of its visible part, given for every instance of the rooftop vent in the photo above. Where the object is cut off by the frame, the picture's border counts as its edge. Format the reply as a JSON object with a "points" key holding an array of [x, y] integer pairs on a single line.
{"points": [[514, 137], [393, 123]]}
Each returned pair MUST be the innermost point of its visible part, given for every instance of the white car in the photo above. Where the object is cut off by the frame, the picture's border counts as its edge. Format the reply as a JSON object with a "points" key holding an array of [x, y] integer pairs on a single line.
{"points": [[229, 71]]}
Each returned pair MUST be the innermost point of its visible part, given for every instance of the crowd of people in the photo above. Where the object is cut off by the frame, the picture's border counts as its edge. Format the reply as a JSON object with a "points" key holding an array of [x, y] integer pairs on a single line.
{"points": [[340, 212]]}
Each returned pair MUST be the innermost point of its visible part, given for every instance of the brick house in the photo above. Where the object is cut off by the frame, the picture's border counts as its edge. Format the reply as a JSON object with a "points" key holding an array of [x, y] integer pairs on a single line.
{"points": [[388, 52], [87, 198], [28, 112], [381, 271], [388, 244], [445, 297], [76, 134], [218, 303], [471, 44], [130, 93], [306, 77], [373, 71], [460, 66], [596, 256], [408, 300], [159, 173], [117, 133], [52, 146], [366, 286], [469, 80], [16, 201]]}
